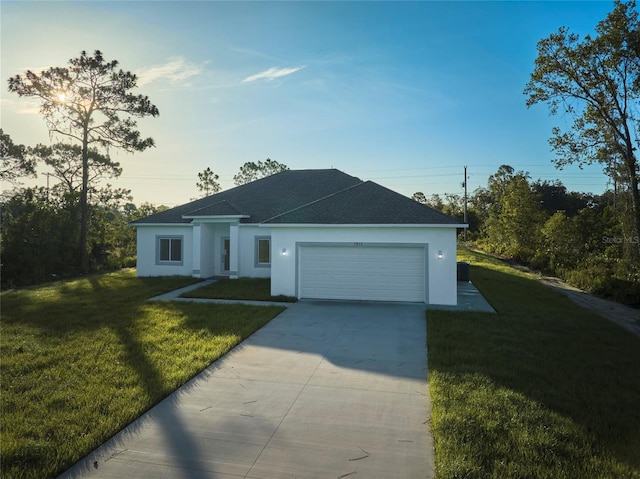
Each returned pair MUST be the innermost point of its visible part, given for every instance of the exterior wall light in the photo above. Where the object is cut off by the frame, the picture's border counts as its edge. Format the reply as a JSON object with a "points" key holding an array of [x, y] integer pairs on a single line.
{"points": [[439, 255], [284, 252]]}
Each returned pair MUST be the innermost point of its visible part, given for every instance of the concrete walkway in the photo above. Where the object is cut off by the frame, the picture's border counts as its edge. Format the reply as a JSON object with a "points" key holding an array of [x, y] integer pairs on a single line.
{"points": [[325, 390], [175, 295], [469, 300]]}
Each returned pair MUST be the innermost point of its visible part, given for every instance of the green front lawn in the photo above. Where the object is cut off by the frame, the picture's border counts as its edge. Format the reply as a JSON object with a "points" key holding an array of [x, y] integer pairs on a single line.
{"points": [[81, 359], [543, 389], [249, 289]]}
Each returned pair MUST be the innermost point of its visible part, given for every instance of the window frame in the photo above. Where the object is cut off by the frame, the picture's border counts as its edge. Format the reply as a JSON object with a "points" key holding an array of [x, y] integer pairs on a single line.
{"points": [[171, 239], [257, 262]]}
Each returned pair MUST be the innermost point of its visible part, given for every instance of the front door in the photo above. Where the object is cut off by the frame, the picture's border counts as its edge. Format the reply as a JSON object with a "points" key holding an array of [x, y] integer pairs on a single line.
{"points": [[225, 255]]}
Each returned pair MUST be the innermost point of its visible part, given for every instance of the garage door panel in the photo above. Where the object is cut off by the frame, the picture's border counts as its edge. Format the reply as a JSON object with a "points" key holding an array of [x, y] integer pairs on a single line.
{"points": [[383, 273]]}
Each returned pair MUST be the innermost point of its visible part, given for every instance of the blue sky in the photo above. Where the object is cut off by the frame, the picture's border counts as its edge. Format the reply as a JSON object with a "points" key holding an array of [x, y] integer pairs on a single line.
{"points": [[404, 94]]}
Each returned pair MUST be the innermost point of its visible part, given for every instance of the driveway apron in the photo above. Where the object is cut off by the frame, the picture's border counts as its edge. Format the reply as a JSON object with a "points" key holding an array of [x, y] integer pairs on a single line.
{"points": [[325, 390]]}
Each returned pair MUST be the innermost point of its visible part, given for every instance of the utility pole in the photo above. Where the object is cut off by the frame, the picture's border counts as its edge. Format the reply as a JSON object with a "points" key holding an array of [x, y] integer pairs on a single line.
{"points": [[464, 183]]}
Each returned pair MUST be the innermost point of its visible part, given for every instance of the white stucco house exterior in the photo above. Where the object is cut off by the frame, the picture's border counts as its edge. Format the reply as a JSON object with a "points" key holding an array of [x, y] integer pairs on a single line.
{"points": [[318, 234]]}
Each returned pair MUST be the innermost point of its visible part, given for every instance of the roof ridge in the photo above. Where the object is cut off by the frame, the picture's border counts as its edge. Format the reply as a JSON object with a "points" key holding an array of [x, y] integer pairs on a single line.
{"points": [[315, 201], [223, 200], [208, 205], [371, 203]]}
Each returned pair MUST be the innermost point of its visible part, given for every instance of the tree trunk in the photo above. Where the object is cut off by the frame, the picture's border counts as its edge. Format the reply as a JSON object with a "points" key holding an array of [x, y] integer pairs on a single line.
{"points": [[635, 195], [84, 206], [632, 166]]}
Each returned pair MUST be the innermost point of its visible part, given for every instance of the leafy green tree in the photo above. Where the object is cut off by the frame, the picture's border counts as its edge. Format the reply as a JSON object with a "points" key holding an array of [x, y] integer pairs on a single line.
{"points": [[436, 202], [15, 162], [498, 183], [131, 212], [513, 224], [569, 242], [454, 205], [38, 238], [555, 197], [486, 201], [208, 182], [252, 171], [559, 251], [111, 241], [134, 212], [89, 101], [480, 202], [596, 81]]}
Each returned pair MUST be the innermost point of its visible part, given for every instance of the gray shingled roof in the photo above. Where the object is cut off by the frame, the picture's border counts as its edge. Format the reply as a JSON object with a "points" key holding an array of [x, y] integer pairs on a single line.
{"points": [[365, 203], [220, 208], [306, 197]]}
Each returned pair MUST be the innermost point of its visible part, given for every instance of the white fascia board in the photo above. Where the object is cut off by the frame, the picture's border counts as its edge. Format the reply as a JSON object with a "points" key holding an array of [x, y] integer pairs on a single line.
{"points": [[216, 218], [160, 224], [311, 225]]}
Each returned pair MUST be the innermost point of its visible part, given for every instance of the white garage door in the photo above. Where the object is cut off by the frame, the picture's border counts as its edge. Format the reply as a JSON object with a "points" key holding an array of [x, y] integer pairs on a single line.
{"points": [[373, 273]]}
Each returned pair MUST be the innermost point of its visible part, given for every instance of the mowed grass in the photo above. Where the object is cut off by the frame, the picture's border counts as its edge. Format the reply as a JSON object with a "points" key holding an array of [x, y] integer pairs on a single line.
{"points": [[81, 359], [543, 389], [252, 289]]}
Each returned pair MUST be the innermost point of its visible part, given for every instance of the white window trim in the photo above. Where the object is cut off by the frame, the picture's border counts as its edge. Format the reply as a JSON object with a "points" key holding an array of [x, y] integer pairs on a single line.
{"points": [[257, 262], [169, 262]]}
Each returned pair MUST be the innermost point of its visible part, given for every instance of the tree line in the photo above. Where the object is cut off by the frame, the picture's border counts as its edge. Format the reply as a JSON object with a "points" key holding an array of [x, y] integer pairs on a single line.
{"points": [[587, 239], [41, 225]]}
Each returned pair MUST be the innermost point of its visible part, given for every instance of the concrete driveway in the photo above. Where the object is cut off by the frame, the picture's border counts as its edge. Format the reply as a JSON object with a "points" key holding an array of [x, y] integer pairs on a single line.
{"points": [[326, 390]]}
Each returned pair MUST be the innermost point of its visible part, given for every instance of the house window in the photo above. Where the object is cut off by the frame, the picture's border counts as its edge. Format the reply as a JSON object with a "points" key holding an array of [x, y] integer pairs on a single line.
{"points": [[169, 250], [263, 251]]}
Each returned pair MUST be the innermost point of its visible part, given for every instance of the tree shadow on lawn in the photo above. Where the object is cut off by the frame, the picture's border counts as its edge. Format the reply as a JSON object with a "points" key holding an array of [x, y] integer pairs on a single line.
{"points": [[542, 345], [163, 344], [162, 388]]}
